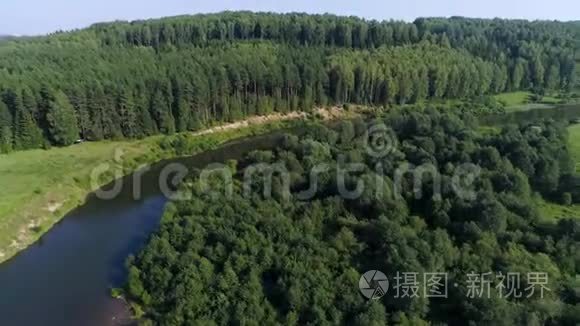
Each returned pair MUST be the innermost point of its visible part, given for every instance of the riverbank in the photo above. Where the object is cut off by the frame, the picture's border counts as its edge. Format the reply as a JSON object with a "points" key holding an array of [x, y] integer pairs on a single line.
{"points": [[40, 187]]}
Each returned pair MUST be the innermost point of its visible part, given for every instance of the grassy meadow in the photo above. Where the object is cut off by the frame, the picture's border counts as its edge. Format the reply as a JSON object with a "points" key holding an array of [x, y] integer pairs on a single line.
{"points": [[522, 101]]}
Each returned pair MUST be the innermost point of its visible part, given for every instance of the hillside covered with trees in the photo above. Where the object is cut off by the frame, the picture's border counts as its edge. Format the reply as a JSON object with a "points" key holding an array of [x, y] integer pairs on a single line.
{"points": [[133, 79], [268, 258]]}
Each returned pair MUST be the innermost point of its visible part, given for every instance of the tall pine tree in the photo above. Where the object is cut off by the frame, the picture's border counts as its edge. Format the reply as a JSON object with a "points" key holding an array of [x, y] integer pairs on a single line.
{"points": [[5, 129], [63, 127], [27, 134], [162, 112], [126, 109]]}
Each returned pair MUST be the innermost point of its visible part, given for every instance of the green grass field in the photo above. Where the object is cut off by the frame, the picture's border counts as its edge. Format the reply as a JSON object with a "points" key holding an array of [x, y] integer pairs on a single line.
{"points": [[522, 101], [552, 212], [40, 186], [29, 174], [514, 98]]}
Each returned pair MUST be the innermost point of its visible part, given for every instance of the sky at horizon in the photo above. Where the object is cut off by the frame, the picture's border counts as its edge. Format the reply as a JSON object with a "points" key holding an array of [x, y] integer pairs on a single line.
{"points": [[34, 17]]}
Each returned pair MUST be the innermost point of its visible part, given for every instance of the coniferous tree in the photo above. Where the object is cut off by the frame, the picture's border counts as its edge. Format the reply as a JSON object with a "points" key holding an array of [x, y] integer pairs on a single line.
{"points": [[127, 114], [27, 135], [145, 122], [63, 127], [79, 101], [518, 75], [162, 113], [27, 131], [537, 69], [6, 136], [95, 99], [552, 77], [111, 116]]}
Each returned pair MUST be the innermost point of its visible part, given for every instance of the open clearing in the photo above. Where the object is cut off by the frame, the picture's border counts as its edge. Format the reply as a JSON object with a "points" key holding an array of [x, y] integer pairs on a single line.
{"points": [[522, 101]]}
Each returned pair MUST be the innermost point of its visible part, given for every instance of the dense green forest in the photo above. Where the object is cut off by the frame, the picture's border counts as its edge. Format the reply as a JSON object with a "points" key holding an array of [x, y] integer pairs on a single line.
{"points": [[255, 258], [133, 79]]}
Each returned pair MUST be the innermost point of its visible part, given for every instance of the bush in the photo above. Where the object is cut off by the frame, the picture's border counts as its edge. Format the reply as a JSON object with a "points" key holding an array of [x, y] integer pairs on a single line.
{"points": [[566, 199]]}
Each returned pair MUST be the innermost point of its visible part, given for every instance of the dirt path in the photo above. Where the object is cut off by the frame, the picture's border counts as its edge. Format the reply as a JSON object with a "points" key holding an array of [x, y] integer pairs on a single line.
{"points": [[326, 114]]}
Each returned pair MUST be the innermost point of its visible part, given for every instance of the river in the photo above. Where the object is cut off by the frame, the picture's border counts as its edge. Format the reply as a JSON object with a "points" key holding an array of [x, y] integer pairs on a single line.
{"points": [[65, 278]]}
